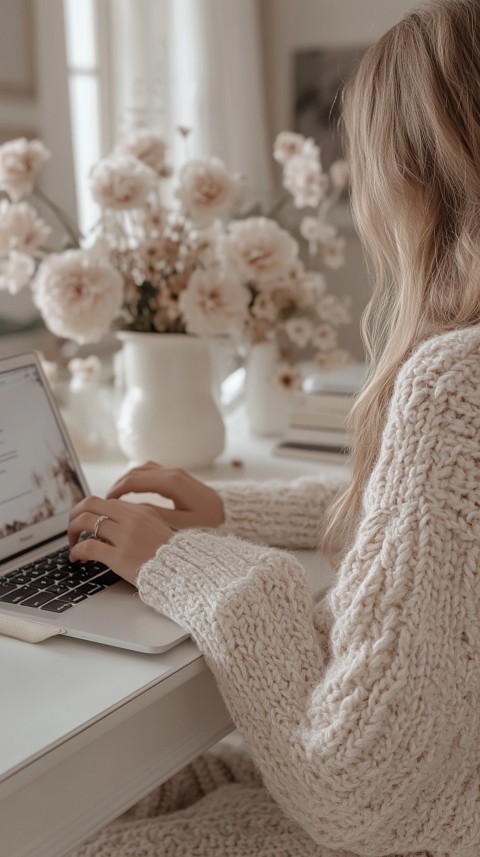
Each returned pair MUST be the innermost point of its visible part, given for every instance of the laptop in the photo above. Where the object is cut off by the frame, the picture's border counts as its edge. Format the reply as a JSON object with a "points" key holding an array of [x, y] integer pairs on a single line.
{"points": [[40, 481]]}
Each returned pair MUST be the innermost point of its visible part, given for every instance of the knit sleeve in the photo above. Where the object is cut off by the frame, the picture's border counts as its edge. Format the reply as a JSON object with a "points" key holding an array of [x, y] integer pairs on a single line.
{"points": [[279, 513], [375, 749]]}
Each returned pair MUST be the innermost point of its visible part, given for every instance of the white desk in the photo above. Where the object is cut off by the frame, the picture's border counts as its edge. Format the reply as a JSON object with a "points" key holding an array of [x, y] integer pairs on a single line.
{"points": [[87, 730]]}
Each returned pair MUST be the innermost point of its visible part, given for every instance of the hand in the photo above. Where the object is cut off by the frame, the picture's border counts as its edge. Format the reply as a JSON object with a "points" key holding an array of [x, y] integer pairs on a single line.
{"points": [[196, 505], [131, 535]]}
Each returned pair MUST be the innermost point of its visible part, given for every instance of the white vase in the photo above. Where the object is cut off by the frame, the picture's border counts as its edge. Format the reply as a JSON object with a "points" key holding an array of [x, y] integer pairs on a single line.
{"points": [[168, 413], [267, 406]]}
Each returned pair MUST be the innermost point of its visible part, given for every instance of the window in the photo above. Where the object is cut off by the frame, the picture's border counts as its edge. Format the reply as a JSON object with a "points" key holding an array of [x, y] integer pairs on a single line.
{"points": [[86, 89]]}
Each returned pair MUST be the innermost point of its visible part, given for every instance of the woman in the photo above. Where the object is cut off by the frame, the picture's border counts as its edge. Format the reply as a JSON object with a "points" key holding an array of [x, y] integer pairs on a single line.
{"points": [[361, 713]]}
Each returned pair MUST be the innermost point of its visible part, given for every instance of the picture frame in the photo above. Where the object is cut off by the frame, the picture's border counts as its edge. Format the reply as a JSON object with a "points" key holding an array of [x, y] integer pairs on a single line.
{"points": [[319, 75], [17, 49]]}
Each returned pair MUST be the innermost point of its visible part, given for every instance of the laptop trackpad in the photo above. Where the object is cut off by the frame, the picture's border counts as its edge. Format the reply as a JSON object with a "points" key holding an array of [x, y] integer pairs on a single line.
{"points": [[118, 617]]}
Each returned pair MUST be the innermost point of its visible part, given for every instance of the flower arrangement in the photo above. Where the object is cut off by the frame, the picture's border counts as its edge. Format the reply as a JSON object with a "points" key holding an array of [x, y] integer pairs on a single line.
{"points": [[290, 305], [186, 265]]}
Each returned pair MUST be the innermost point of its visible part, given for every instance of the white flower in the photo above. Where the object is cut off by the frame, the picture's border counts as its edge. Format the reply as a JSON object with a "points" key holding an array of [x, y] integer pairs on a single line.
{"points": [[147, 146], [324, 337], [21, 228], [287, 144], [339, 174], [152, 254], [315, 230], [20, 163], [309, 228], [260, 249], [311, 151], [207, 191], [286, 377], [334, 311], [214, 303], [78, 295], [333, 252], [86, 369], [15, 272], [289, 285], [121, 181], [304, 179], [313, 285], [299, 331]]}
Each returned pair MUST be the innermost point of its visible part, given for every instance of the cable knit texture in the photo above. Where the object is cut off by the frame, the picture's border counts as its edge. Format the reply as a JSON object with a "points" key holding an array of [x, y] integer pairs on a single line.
{"points": [[284, 514], [369, 745]]}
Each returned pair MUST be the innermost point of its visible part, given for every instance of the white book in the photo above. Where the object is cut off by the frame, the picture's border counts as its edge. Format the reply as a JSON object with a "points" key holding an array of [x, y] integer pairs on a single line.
{"points": [[287, 450], [332, 392], [348, 380], [317, 437], [310, 419], [326, 403]]}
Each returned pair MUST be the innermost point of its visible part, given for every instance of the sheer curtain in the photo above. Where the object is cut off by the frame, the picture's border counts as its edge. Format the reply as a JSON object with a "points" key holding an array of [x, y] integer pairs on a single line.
{"points": [[196, 64]]}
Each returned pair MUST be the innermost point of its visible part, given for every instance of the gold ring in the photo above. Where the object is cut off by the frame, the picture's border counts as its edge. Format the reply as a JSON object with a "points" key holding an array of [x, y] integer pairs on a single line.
{"points": [[98, 523]]}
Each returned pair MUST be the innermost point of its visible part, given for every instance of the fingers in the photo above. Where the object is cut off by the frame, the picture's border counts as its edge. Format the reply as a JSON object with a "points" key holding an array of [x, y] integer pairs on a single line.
{"points": [[149, 465], [136, 481], [93, 549], [175, 485], [85, 514], [85, 523], [134, 533], [97, 506]]}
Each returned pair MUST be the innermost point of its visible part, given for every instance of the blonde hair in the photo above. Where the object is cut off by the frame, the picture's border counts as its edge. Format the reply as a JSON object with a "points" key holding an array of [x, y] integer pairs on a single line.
{"points": [[411, 116]]}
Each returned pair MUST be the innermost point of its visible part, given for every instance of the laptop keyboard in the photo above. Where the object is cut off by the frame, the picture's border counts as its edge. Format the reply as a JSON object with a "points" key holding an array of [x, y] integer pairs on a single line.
{"points": [[55, 584]]}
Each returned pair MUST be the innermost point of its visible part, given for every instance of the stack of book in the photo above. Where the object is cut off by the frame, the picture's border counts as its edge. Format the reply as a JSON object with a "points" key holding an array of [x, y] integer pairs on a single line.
{"points": [[317, 421]]}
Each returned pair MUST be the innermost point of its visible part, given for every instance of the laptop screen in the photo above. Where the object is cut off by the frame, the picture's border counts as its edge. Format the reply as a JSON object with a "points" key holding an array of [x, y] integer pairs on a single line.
{"points": [[39, 482]]}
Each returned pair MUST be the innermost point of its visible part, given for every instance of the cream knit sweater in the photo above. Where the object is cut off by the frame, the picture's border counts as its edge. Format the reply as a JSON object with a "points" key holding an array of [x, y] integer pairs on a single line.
{"points": [[361, 713]]}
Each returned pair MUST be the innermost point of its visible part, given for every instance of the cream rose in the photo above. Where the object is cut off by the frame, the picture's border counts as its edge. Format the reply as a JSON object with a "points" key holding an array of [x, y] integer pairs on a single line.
{"points": [[21, 228], [78, 295], [21, 161], [148, 146], [121, 182], [207, 191], [214, 303], [299, 331], [304, 179], [15, 272], [260, 249], [287, 144]]}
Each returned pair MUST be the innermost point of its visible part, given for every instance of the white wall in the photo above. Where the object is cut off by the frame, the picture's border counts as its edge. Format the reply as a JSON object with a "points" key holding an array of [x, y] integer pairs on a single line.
{"points": [[292, 24], [288, 25]]}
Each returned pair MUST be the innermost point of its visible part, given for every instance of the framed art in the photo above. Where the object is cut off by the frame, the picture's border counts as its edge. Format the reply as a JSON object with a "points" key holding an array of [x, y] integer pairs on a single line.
{"points": [[17, 61], [319, 75]]}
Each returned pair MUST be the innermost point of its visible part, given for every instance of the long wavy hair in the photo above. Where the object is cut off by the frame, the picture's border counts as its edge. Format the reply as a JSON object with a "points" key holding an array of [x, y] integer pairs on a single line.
{"points": [[411, 118]]}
